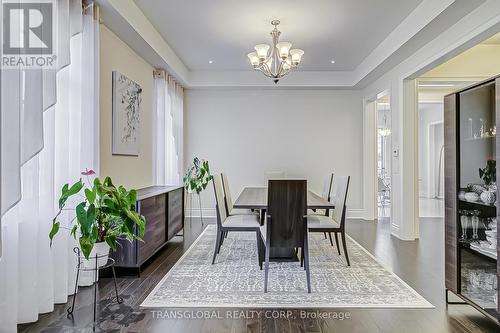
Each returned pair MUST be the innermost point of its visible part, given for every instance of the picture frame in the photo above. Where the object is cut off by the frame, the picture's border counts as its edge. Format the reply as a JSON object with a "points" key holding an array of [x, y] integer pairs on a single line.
{"points": [[126, 107]]}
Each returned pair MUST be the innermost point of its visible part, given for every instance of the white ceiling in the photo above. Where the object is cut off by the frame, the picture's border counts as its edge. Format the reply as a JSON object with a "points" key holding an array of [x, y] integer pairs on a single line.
{"points": [[224, 31]]}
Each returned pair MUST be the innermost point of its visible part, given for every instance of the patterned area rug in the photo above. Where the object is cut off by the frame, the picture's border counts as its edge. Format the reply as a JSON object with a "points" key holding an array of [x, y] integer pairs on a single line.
{"points": [[235, 279]]}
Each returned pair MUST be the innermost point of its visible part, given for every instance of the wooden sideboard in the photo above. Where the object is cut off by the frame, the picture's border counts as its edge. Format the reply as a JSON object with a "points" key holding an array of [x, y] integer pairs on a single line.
{"points": [[163, 208]]}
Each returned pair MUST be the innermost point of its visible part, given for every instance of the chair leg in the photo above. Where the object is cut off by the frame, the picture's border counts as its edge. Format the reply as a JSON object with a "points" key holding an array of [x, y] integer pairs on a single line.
{"points": [[222, 237], [344, 245], [306, 264], [325, 234], [301, 257], [337, 242], [217, 245], [259, 248], [266, 269], [330, 235]]}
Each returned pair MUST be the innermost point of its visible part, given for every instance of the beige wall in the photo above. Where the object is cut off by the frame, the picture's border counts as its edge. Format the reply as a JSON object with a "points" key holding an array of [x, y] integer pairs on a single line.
{"points": [[130, 171], [482, 60]]}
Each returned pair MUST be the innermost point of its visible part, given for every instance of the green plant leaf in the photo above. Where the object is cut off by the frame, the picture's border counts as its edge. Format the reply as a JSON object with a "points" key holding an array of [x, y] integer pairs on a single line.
{"points": [[91, 213], [111, 241], [75, 188], [86, 245], [73, 231], [81, 216], [90, 195], [54, 230]]}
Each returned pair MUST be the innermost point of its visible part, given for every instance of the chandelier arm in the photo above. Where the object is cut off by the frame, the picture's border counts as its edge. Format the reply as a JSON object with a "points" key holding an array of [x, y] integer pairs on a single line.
{"points": [[265, 69]]}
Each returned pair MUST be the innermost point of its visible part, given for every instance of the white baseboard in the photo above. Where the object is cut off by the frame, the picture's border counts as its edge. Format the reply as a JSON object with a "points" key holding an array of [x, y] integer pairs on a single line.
{"points": [[353, 213], [356, 213]]}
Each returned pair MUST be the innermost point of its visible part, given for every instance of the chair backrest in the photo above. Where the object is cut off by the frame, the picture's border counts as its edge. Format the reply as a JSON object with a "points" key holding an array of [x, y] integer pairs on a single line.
{"points": [[227, 193], [219, 198], [327, 187], [287, 205], [382, 186], [339, 197], [278, 174]]}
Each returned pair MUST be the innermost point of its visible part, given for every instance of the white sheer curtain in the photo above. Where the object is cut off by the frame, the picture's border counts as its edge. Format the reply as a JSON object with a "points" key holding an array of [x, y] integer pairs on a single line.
{"points": [[23, 137], [34, 276], [168, 131]]}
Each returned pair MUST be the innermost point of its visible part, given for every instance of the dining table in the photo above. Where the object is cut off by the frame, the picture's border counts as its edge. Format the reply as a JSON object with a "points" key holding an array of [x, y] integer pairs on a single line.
{"points": [[255, 198]]}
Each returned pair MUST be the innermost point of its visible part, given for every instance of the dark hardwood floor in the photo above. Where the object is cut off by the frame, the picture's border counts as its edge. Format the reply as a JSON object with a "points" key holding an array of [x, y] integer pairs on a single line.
{"points": [[419, 263]]}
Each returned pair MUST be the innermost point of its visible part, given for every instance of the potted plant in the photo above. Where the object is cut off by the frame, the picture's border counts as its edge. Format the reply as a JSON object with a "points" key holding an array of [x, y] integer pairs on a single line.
{"points": [[106, 214], [196, 179], [489, 175]]}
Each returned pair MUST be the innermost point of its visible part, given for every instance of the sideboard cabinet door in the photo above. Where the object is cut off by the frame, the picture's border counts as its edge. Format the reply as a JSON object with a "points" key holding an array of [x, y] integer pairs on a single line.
{"points": [[174, 212], [154, 210]]}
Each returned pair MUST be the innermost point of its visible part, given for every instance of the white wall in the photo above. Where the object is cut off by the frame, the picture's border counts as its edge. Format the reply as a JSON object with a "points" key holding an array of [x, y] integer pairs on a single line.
{"points": [[428, 113], [307, 133]]}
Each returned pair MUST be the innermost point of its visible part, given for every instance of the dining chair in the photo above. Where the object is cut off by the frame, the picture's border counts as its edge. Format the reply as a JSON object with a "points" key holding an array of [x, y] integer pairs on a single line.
{"points": [[228, 201], [325, 194], [286, 224], [336, 222], [227, 223]]}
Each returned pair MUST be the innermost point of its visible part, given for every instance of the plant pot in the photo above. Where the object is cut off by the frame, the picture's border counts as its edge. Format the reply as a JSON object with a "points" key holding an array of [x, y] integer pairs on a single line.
{"points": [[100, 249]]}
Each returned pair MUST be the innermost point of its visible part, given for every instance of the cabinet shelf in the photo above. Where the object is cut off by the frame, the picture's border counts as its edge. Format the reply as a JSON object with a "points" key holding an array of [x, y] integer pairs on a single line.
{"points": [[479, 138], [479, 251]]}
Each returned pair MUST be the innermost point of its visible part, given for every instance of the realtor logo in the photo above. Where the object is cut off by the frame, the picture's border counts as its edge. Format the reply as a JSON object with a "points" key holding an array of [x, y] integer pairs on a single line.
{"points": [[28, 34]]}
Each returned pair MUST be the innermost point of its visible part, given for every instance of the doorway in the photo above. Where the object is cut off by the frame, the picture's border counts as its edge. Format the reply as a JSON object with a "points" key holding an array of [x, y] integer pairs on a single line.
{"points": [[383, 184]]}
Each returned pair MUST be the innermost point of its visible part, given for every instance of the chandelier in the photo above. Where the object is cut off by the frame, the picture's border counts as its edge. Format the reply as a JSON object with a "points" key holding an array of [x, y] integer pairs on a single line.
{"points": [[278, 61]]}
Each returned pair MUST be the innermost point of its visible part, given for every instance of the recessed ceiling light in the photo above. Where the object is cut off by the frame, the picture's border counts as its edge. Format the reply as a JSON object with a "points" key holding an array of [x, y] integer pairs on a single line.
{"points": [[210, 61], [333, 61]]}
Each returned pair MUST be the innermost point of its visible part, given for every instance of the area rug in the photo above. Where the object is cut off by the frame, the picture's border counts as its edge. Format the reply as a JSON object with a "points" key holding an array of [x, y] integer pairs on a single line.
{"points": [[235, 279]]}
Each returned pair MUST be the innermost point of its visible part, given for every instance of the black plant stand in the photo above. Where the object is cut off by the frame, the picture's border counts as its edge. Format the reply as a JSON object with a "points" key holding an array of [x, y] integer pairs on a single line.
{"points": [[79, 267]]}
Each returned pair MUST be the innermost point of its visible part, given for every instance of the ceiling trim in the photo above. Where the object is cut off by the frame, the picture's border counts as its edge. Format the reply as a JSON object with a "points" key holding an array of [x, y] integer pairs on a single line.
{"points": [[127, 20], [421, 16], [129, 23]]}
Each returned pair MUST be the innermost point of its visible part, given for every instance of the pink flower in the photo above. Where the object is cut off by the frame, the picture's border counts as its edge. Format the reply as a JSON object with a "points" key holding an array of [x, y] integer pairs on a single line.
{"points": [[88, 172]]}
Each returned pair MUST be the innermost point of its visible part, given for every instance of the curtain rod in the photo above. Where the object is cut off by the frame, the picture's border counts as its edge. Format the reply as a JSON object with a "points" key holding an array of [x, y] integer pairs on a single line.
{"points": [[159, 73]]}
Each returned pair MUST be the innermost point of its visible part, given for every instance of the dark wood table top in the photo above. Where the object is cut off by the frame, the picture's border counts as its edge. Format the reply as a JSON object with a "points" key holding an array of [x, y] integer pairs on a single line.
{"points": [[256, 198]]}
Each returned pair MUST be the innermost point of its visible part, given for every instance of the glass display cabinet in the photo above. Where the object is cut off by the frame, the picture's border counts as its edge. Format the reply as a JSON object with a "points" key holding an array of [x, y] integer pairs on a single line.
{"points": [[471, 195]]}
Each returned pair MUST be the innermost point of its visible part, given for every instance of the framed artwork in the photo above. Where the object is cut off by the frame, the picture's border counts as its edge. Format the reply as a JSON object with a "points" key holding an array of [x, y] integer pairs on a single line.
{"points": [[126, 115]]}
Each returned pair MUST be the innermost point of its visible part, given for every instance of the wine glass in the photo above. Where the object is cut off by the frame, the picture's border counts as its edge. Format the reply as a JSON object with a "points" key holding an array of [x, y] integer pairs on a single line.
{"points": [[464, 219], [475, 224]]}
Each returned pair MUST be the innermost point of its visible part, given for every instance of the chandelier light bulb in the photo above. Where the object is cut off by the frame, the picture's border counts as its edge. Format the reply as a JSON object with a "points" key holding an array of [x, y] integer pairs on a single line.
{"points": [[262, 50], [283, 49], [296, 55], [254, 58]]}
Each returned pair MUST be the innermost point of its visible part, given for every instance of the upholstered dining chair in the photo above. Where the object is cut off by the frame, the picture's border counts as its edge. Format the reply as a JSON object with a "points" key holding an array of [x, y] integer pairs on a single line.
{"points": [[228, 200], [336, 222], [227, 223], [286, 223], [325, 194]]}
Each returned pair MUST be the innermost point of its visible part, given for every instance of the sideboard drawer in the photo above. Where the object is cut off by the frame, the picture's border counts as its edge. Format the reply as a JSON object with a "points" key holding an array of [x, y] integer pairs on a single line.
{"points": [[175, 206]]}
